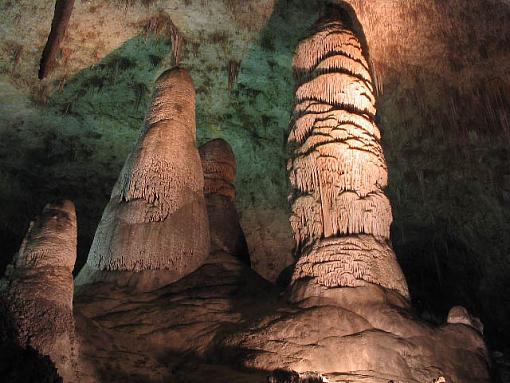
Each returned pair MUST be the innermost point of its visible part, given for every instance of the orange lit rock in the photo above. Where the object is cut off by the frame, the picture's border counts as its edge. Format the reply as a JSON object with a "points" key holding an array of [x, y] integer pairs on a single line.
{"points": [[219, 166], [341, 217], [38, 287], [156, 218]]}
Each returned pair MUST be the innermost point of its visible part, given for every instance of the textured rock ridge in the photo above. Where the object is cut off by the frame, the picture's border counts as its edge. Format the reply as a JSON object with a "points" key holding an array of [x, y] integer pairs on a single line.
{"points": [[219, 165], [340, 215], [156, 218], [38, 287]]}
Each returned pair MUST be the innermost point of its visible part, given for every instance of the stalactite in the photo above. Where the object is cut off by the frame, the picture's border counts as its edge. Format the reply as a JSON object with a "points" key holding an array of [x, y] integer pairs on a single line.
{"points": [[177, 40], [61, 17], [157, 218], [340, 215], [233, 71]]}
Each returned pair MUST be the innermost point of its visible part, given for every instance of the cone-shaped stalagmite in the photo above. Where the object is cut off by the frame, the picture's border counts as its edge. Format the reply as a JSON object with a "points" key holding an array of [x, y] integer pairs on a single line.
{"points": [[219, 166], [156, 218], [38, 287], [341, 217]]}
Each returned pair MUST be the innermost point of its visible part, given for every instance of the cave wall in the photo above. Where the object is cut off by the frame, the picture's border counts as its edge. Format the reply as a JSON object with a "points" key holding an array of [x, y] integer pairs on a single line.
{"points": [[441, 69]]}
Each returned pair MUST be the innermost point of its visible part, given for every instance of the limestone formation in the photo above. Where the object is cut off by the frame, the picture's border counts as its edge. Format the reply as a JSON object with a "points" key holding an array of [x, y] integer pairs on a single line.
{"points": [[340, 215], [61, 17], [219, 167], [289, 376], [348, 319], [219, 164], [38, 287], [461, 315], [156, 218]]}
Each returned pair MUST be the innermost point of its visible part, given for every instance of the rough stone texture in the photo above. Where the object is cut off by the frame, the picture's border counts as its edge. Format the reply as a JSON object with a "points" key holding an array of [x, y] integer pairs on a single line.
{"points": [[442, 67], [459, 314], [37, 290], [219, 165], [442, 77], [63, 11], [156, 218], [225, 319], [340, 216], [269, 240]]}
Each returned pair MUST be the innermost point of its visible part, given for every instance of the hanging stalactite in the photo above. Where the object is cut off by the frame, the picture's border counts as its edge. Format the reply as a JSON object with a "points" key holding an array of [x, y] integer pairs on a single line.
{"points": [[61, 17]]}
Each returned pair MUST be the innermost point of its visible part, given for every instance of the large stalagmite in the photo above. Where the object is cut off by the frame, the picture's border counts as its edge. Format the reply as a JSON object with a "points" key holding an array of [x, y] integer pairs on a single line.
{"points": [[219, 166], [38, 287], [156, 218], [341, 217]]}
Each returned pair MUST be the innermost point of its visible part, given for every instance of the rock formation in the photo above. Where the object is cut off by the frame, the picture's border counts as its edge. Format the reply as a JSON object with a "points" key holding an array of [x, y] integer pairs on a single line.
{"points": [[219, 167], [156, 218], [61, 17], [349, 318], [211, 318], [341, 218], [37, 290]]}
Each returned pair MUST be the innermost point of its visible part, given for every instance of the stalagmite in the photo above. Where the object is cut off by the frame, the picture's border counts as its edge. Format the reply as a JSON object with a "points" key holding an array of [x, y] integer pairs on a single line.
{"points": [[38, 287], [156, 218], [341, 217], [219, 166]]}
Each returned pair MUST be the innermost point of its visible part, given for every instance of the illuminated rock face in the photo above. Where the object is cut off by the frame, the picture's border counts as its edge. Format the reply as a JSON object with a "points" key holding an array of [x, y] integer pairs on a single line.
{"points": [[340, 215], [219, 165], [348, 319], [156, 218], [38, 287]]}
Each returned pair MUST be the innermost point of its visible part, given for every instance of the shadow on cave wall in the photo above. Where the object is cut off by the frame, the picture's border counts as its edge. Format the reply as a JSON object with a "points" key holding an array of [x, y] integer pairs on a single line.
{"points": [[448, 185], [74, 146]]}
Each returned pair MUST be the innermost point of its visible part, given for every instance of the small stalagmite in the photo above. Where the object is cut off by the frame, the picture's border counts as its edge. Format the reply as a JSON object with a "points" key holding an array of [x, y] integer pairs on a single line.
{"points": [[219, 164], [38, 287], [340, 215], [156, 219]]}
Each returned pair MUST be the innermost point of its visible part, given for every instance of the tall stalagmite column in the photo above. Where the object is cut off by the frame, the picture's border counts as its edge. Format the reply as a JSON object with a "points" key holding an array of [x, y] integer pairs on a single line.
{"points": [[219, 164], [340, 215], [156, 218], [38, 287]]}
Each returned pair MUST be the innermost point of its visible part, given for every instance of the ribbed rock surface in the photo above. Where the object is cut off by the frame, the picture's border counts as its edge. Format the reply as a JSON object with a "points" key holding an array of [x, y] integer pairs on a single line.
{"points": [[340, 215], [38, 287], [156, 218], [219, 165]]}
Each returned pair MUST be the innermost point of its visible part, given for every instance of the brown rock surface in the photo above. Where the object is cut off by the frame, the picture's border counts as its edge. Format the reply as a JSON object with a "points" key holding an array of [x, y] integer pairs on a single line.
{"points": [[224, 318], [223, 322], [341, 217], [38, 287], [156, 218], [219, 166]]}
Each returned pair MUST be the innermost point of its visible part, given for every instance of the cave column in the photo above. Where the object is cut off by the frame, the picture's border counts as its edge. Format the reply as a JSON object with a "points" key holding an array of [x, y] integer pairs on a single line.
{"points": [[340, 215]]}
